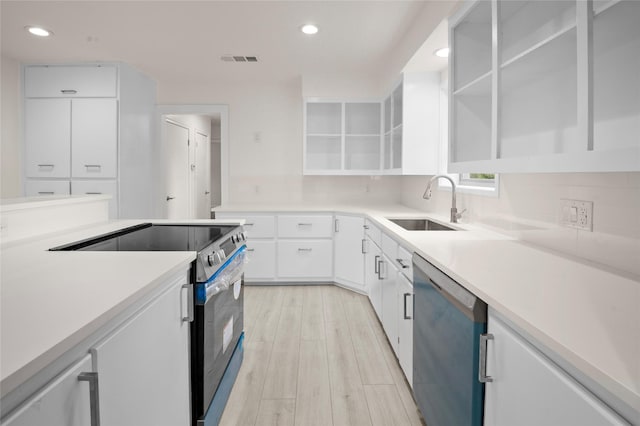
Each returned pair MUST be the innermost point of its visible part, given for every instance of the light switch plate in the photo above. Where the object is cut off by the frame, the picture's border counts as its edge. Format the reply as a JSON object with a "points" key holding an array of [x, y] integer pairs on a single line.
{"points": [[577, 214]]}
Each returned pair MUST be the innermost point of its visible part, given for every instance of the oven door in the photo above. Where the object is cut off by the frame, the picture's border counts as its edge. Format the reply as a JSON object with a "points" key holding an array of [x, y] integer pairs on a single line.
{"points": [[216, 331]]}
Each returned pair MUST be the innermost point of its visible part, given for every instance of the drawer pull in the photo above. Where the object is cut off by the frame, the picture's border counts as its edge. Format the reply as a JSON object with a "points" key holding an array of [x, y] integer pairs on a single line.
{"points": [[68, 91], [93, 167], [45, 192], [248, 224], [250, 249], [93, 193], [402, 264], [305, 224], [305, 249], [45, 166]]}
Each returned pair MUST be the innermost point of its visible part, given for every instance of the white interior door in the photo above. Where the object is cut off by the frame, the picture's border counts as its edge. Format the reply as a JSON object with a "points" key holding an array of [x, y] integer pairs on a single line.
{"points": [[203, 175], [176, 170]]}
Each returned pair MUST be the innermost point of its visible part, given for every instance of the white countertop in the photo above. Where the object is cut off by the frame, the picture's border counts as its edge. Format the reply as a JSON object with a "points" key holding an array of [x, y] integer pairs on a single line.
{"points": [[588, 316], [51, 301]]}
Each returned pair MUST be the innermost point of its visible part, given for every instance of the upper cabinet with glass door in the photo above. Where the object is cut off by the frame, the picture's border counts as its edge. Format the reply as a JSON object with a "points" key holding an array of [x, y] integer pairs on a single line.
{"points": [[545, 86], [342, 138]]}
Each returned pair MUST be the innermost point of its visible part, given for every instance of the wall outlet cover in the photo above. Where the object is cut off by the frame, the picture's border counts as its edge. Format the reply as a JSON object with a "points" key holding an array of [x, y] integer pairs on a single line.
{"points": [[577, 214]]}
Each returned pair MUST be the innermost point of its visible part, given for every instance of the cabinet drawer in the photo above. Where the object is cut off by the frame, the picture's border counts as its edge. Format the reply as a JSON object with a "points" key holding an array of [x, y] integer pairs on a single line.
{"points": [[305, 259], [70, 81], [373, 232], [259, 226], [262, 260], [34, 188], [305, 226], [98, 187], [404, 262], [389, 247]]}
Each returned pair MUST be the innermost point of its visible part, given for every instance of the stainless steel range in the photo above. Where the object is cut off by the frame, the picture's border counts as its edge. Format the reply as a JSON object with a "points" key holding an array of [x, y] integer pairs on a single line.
{"points": [[217, 302]]}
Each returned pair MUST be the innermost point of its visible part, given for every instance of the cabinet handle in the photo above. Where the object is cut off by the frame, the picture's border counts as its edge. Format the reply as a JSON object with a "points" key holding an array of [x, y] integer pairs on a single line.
{"points": [[248, 224], [304, 249], [190, 316], [482, 370], [376, 264], [93, 193], [45, 166], [170, 198], [93, 167], [305, 224], [407, 317], [401, 263], [365, 226], [380, 265], [207, 192], [68, 91], [94, 397], [45, 192], [364, 249], [336, 225], [250, 249]]}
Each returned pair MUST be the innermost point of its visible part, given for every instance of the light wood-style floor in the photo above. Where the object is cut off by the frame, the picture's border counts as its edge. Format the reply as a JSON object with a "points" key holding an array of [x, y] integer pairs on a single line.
{"points": [[316, 355]]}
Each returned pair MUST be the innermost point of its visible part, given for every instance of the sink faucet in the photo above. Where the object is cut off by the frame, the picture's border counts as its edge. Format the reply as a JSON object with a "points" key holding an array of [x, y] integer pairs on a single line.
{"points": [[454, 211]]}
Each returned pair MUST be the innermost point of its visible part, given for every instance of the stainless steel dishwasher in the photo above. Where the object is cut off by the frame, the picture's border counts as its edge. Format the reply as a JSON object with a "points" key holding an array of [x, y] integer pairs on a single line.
{"points": [[447, 328]]}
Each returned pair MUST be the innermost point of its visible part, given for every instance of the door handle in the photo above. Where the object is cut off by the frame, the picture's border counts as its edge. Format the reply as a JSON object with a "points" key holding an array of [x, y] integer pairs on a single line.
{"points": [[190, 315], [405, 306], [364, 249], [170, 198], [376, 264], [336, 225], [94, 397], [482, 371]]}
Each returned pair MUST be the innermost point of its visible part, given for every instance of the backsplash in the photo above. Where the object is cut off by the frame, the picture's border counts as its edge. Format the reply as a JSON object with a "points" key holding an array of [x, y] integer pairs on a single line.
{"points": [[529, 209]]}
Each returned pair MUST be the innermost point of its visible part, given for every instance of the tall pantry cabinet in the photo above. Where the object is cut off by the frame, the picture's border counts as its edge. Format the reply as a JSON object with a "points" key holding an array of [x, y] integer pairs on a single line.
{"points": [[88, 129]]}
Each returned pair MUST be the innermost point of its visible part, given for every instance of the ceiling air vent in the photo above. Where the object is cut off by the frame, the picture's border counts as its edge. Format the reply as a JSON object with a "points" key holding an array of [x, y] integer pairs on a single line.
{"points": [[234, 58]]}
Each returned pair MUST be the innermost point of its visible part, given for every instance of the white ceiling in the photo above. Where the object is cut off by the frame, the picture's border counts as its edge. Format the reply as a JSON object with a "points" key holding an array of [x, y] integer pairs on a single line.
{"points": [[183, 40]]}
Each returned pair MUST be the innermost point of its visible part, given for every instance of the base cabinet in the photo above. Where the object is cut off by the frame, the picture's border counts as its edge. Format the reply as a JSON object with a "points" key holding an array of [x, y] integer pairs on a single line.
{"points": [[348, 250], [405, 326], [64, 402], [529, 389], [372, 277], [144, 367], [389, 273]]}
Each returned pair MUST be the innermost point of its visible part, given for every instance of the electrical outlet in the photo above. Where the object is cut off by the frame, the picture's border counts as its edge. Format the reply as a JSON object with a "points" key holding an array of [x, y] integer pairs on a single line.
{"points": [[577, 214]]}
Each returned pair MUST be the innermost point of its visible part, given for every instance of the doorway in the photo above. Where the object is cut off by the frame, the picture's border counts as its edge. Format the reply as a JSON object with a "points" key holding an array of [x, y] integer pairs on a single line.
{"points": [[191, 172]]}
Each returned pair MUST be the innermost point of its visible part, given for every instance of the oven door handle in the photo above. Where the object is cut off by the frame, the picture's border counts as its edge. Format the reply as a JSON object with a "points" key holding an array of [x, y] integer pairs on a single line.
{"points": [[190, 314]]}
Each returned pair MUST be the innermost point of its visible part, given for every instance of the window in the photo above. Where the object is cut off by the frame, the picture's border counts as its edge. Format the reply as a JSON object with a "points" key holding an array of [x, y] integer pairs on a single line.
{"points": [[473, 183]]}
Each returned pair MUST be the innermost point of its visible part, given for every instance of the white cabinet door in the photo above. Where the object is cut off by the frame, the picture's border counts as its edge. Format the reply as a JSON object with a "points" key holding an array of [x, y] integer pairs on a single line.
{"points": [[261, 260], [35, 188], [372, 277], [94, 138], [405, 326], [70, 81], [305, 259], [63, 402], [529, 389], [348, 254], [144, 366], [390, 313], [47, 138], [97, 187]]}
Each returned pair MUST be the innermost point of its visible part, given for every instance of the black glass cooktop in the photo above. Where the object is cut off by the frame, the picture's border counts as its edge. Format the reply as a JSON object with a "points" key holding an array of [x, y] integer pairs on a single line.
{"points": [[151, 237]]}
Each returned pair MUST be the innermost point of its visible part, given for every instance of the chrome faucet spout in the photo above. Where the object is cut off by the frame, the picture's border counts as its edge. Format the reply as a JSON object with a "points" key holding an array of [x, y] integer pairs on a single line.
{"points": [[427, 195]]}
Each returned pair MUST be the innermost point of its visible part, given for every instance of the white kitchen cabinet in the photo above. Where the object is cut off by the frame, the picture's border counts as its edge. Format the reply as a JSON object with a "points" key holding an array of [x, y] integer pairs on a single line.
{"points": [[305, 226], [71, 81], [261, 263], [390, 312], [92, 122], [305, 259], [143, 366], [97, 187], [372, 277], [65, 401], [94, 138], [256, 226], [411, 125], [527, 388], [555, 91], [405, 326], [35, 188], [348, 249], [47, 143], [342, 137]]}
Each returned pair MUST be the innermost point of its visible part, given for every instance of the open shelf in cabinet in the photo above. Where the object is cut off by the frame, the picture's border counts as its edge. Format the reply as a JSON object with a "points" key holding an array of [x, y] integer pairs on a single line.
{"points": [[471, 45]]}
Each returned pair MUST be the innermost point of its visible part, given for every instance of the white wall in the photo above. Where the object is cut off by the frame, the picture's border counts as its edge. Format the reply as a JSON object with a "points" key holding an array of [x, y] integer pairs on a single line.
{"points": [[529, 209], [11, 135]]}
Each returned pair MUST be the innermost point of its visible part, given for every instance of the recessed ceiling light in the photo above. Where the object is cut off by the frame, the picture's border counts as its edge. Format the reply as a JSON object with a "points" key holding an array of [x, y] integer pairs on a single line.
{"points": [[39, 31], [309, 29], [442, 53]]}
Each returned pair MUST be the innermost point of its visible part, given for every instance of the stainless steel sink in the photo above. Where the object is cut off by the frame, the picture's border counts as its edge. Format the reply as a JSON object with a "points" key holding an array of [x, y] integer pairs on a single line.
{"points": [[421, 225]]}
